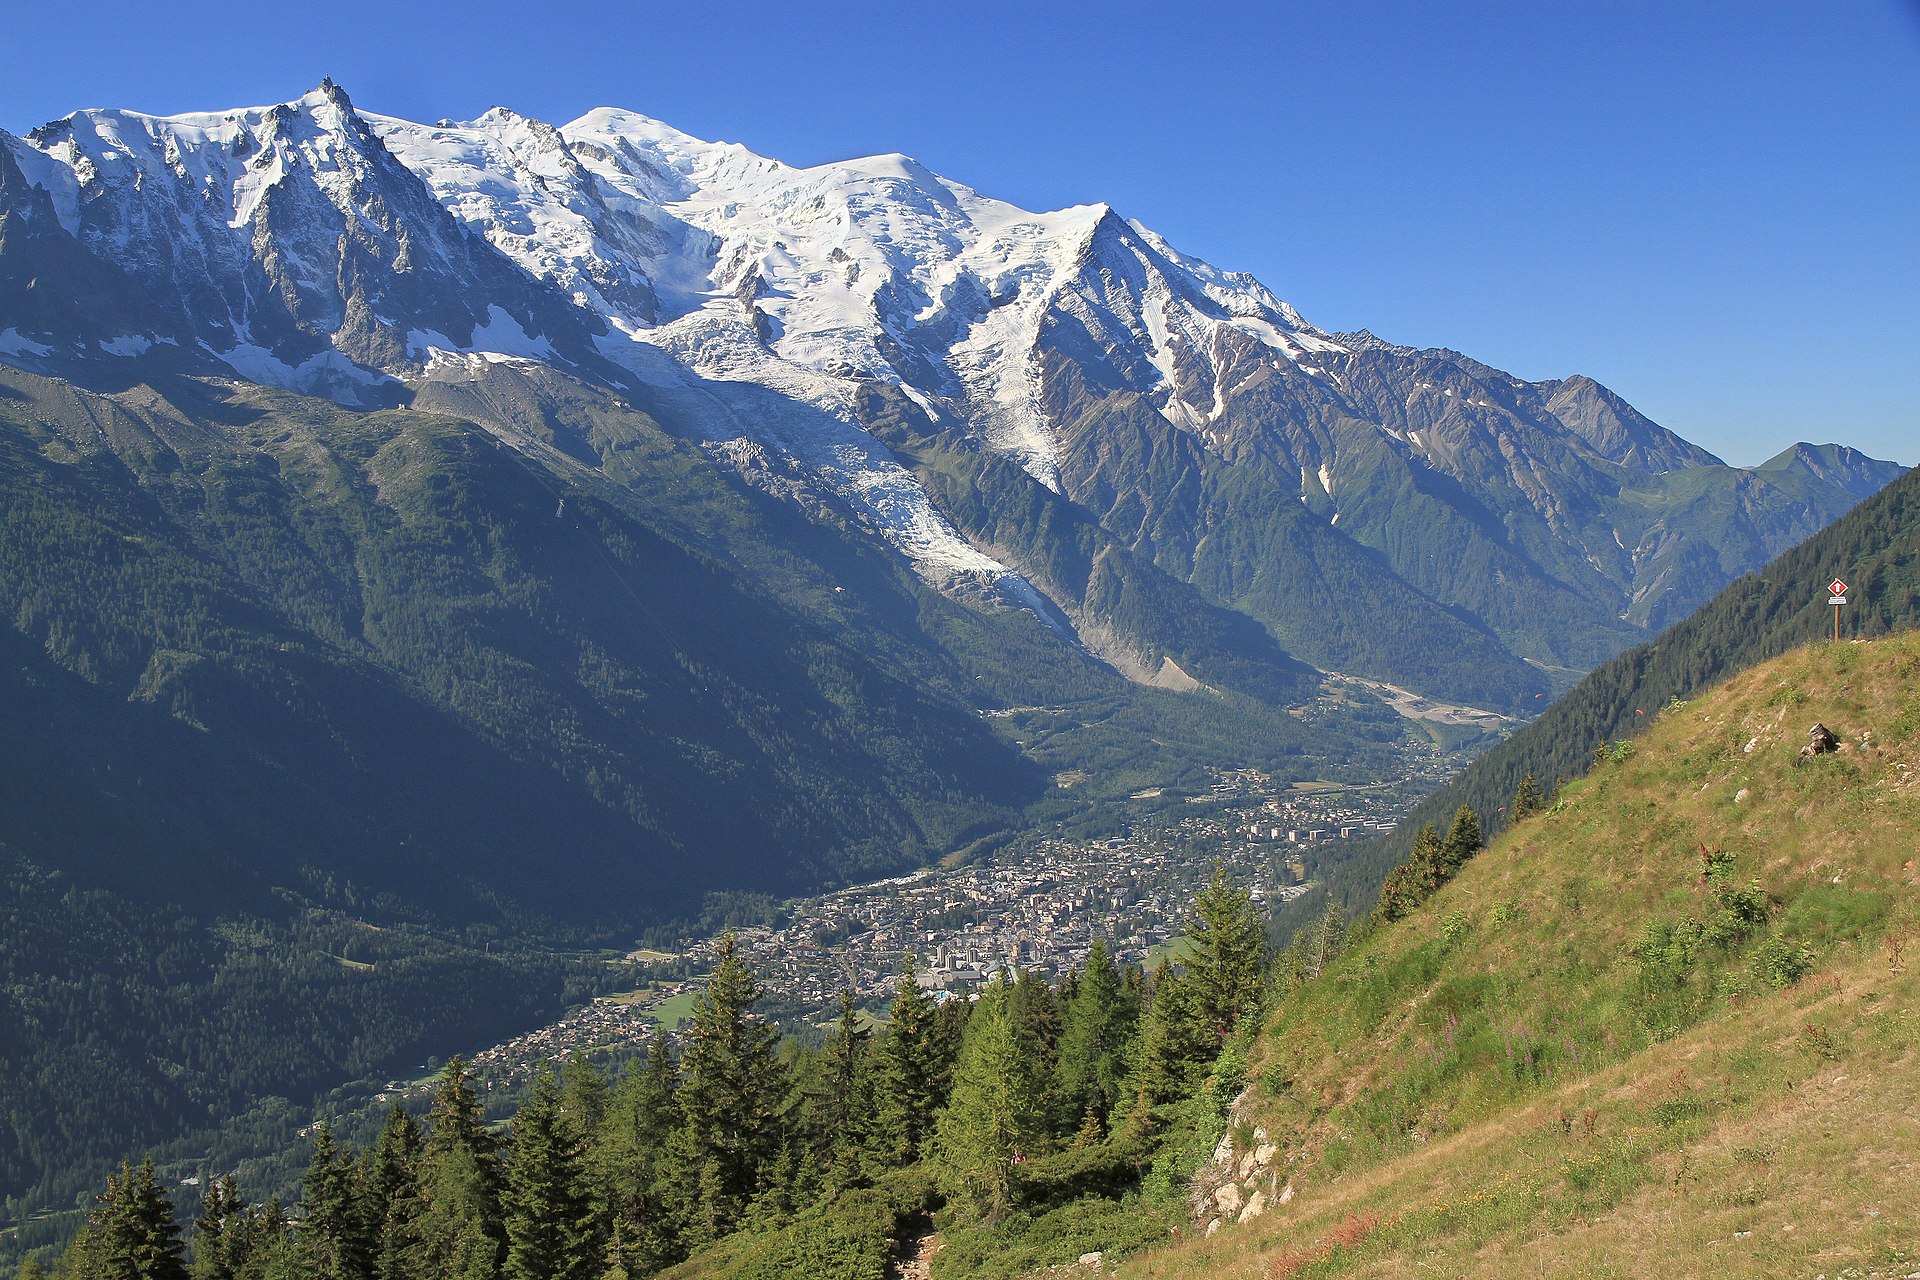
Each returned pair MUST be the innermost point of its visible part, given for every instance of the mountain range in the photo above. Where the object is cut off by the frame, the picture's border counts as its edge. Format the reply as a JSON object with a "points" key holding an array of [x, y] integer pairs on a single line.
{"points": [[1059, 412]]}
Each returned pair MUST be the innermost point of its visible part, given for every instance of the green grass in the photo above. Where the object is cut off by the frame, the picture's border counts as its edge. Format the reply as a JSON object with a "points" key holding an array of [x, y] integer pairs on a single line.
{"points": [[674, 1010], [1516, 1081]]}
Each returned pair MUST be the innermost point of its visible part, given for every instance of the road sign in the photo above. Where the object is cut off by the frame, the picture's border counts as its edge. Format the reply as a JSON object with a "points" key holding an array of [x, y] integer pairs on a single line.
{"points": [[1837, 596], [1838, 587]]}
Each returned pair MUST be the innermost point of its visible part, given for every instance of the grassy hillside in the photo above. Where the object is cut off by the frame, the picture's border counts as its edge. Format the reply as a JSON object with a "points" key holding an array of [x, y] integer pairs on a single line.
{"points": [[1875, 547], [1671, 1025]]}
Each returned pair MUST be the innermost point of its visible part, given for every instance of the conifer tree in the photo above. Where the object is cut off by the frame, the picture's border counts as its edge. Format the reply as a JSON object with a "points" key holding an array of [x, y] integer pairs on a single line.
{"points": [[1227, 956], [1315, 946], [332, 1235], [1172, 1046], [835, 1108], [1527, 800], [730, 1086], [905, 1087], [219, 1232], [1413, 881], [623, 1161], [131, 1234], [390, 1195], [1462, 842], [545, 1211], [995, 1117], [458, 1233], [1097, 1026]]}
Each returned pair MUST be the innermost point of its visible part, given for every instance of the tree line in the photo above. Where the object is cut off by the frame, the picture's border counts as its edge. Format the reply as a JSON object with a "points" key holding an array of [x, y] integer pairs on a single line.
{"points": [[1031, 1090]]}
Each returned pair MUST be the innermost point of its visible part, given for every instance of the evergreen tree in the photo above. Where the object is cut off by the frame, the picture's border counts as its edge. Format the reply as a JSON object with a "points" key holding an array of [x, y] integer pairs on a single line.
{"points": [[1096, 1029], [623, 1160], [1227, 956], [219, 1232], [131, 1234], [545, 1211], [1413, 881], [333, 1239], [730, 1086], [1036, 1014], [1527, 800], [905, 1088], [834, 1112], [1173, 1046], [390, 1195], [1462, 842], [995, 1117], [1315, 946], [457, 1233]]}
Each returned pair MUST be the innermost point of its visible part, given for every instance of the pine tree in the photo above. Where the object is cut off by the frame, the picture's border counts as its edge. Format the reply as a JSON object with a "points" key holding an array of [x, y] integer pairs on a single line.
{"points": [[1413, 881], [458, 1234], [332, 1235], [131, 1234], [1173, 1046], [546, 1213], [390, 1195], [905, 1088], [835, 1106], [1097, 1026], [730, 1086], [1462, 842], [219, 1232], [1227, 956], [995, 1117], [1527, 800], [623, 1159], [1315, 946]]}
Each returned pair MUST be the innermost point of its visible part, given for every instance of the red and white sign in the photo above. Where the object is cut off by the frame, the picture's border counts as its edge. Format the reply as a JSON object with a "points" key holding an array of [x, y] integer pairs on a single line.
{"points": [[1838, 587]]}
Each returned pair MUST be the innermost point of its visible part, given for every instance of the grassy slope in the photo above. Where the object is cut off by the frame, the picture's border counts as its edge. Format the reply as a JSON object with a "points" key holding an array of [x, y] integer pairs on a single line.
{"points": [[1875, 547], [1431, 1092]]}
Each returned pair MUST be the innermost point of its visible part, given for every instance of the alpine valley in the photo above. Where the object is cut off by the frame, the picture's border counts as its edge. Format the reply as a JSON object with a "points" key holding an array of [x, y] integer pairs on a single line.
{"points": [[429, 550]]}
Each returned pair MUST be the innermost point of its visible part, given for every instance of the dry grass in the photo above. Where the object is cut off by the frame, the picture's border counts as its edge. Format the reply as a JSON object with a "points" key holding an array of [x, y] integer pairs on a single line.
{"points": [[1496, 1087]]}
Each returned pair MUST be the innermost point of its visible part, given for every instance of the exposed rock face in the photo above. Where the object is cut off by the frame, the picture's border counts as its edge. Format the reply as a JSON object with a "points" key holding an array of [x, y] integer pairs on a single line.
{"points": [[1238, 1183]]}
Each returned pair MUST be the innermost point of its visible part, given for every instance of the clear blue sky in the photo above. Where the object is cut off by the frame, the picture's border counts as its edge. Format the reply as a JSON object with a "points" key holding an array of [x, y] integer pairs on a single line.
{"points": [[1712, 207]]}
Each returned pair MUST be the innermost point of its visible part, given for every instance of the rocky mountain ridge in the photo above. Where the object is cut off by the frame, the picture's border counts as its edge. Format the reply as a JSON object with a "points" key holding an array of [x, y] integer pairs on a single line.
{"points": [[849, 336]]}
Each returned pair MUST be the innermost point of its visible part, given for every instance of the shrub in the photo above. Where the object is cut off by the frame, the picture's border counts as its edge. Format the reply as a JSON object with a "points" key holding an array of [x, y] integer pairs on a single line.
{"points": [[1781, 963]]}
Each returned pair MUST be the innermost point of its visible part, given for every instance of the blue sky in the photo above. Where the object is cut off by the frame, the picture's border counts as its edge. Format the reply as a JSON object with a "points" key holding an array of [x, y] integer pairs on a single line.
{"points": [[1712, 207]]}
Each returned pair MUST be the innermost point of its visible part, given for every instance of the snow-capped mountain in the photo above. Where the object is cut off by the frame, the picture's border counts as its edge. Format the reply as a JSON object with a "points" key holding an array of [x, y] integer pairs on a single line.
{"points": [[857, 335]]}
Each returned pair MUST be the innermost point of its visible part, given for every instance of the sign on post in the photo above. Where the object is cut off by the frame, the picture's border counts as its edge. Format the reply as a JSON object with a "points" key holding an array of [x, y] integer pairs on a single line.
{"points": [[1837, 596]]}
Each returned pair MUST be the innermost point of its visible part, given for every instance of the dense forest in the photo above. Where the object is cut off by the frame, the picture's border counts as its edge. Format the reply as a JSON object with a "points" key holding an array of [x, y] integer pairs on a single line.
{"points": [[1030, 1118]]}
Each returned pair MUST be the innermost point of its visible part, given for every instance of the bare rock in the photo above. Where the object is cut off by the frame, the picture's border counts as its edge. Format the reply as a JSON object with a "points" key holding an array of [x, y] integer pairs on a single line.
{"points": [[1256, 1205], [1091, 1259], [1286, 1194], [1213, 1226], [1264, 1155], [1229, 1199]]}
